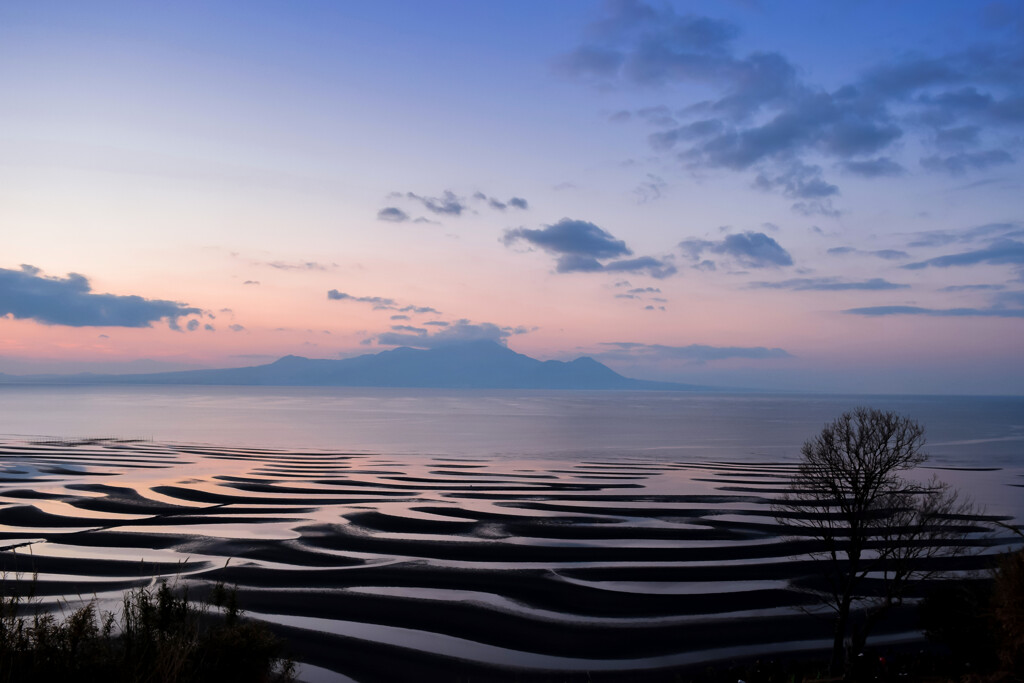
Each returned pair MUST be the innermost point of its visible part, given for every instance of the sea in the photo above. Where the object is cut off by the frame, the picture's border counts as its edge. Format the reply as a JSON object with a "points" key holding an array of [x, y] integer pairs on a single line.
{"points": [[517, 533], [962, 431]]}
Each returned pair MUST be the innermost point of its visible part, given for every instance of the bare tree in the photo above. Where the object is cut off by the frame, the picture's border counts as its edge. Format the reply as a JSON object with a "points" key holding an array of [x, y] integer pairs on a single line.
{"points": [[876, 530]]}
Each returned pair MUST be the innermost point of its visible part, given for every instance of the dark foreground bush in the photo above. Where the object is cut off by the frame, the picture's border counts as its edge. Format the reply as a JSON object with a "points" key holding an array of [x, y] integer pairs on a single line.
{"points": [[980, 624], [159, 637]]}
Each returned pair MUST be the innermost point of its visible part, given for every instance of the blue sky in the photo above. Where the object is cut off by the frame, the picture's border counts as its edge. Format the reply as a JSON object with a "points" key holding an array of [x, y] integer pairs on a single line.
{"points": [[799, 195]]}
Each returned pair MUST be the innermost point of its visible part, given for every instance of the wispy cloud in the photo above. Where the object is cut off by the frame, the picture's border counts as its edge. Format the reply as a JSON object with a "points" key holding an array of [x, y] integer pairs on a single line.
{"points": [[961, 163], [699, 353], [377, 301], [458, 332], [972, 288], [1000, 252], [300, 265], [381, 303], [887, 254], [448, 204], [882, 167], [749, 249], [499, 205], [828, 284], [990, 312]]}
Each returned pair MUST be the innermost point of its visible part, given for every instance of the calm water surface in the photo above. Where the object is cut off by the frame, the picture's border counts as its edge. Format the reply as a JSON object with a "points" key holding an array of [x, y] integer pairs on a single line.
{"points": [[962, 431], [595, 512]]}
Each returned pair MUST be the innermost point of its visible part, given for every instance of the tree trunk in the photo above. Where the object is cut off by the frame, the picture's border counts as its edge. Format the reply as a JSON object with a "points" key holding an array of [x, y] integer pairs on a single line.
{"points": [[871, 617], [838, 665]]}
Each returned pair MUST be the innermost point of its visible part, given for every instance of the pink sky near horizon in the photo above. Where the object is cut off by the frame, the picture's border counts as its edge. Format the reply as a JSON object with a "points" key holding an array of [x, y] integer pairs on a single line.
{"points": [[847, 221]]}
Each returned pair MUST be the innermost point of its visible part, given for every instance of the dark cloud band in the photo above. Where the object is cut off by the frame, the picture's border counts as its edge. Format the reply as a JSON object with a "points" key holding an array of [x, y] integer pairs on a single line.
{"points": [[25, 294]]}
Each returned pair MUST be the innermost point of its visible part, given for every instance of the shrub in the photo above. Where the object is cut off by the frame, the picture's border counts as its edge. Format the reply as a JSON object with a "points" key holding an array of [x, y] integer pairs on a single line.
{"points": [[160, 636]]}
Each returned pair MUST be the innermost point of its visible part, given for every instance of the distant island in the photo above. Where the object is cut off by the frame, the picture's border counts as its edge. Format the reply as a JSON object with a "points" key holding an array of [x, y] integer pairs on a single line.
{"points": [[470, 365]]}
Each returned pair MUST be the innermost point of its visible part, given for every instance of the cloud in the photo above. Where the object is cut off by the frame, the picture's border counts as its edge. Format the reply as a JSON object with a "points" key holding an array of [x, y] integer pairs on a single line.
{"points": [[658, 116], [800, 181], [448, 204], [699, 353], [236, 328], [645, 264], [828, 284], [571, 237], [650, 189], [761, 113], [392, 214], [377, 301], [882, 167], [959, 164], [962, 136], [251, 282], [459, 332], [988, 231], [581, 247], [497, 204], [993, 312], [972, 288], [300, 265], [1000, 252], [656, 268], [887, 254], [571, 263], [890, 254], [749, 249], [400, 317], [381, 303], [418, 309], [27, 295], [192, 325], [1014, 299]]}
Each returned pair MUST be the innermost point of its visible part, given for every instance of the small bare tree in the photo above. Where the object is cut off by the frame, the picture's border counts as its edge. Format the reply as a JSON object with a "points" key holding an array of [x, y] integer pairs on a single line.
{"points": [[876, 530]]}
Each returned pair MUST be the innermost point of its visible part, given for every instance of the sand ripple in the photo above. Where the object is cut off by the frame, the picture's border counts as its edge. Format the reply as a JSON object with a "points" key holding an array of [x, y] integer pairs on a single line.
{"points": [[435, 567]]}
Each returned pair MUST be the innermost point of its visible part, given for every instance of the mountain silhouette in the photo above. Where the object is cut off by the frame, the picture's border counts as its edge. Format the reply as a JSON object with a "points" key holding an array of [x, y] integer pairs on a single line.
{"points": [[470, 365]]}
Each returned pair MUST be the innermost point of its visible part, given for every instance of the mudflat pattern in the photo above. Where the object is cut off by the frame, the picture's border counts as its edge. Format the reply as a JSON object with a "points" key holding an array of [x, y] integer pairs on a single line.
{"points": [[434, 567]]}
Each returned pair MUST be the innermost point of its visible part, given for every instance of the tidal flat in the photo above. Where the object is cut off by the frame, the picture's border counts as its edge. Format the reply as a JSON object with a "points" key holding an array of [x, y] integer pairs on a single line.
{"points": [[377, 567]]}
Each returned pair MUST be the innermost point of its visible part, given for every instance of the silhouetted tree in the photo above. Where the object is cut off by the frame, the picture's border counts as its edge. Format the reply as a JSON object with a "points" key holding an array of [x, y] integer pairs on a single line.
{"points": [[1008, 611], [849, 493]]}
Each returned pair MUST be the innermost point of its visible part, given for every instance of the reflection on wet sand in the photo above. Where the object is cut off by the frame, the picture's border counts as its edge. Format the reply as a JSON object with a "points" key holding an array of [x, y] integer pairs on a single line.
{"points": [[441, 566]]}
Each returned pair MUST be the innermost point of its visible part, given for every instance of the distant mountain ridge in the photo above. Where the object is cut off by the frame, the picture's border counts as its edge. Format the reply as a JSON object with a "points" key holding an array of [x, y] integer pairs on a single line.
{"points": [[472, 365]]}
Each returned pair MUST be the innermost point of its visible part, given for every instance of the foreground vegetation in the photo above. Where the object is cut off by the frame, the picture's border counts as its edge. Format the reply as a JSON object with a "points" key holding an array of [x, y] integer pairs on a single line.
{"points": [[160, 636], [974, 629]]}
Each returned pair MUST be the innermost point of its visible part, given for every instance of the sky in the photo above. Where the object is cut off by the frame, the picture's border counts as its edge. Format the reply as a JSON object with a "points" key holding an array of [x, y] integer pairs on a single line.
{"points": [[798, 196]]}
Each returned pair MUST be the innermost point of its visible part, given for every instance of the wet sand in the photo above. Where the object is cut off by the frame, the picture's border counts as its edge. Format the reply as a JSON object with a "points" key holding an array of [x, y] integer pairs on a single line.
{"points": [[435, 567]]}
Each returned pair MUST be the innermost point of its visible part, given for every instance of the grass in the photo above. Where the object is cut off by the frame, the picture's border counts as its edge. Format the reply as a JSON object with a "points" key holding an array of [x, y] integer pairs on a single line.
{"points": [[159, 636]]}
